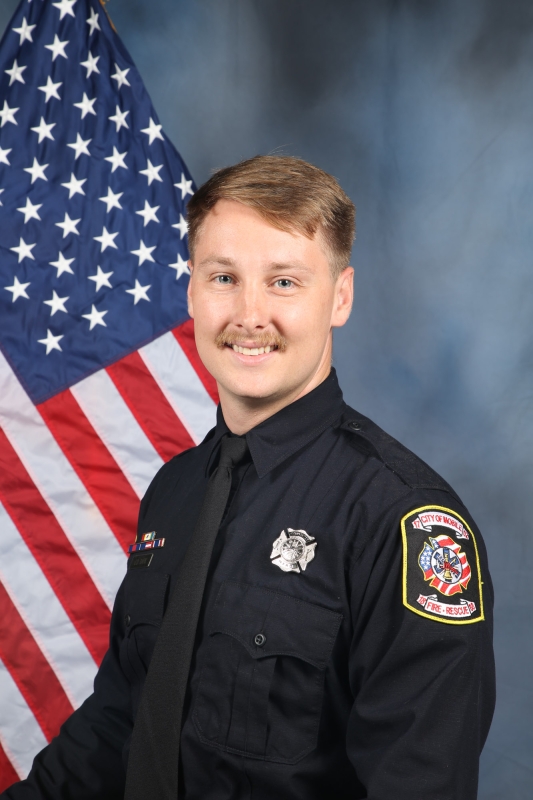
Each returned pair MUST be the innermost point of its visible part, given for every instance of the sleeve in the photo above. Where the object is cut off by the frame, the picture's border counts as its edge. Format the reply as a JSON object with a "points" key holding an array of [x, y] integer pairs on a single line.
{"points": [[421, 661]]}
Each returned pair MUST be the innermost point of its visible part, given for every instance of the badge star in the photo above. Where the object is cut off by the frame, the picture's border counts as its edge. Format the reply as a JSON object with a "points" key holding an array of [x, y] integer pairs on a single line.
{"points": [[51, 341], [149, 213], [30, 210], [120, 76], [184, 186], [57, 47], [144, 253], [90, 64], [37, 171], [112, 199], [23, 250], [139, 292], [95, 318], [62, 265], [152, 172], [119, 118], [153, 131], [92, 22], [65, 7], [18, 289], [86, 106], [50, 89], [8, 115], [44, 130], [101, 279], [181, 267], [107, 239], [3, 156], [25, 31], [80, 146], [181, 226], [56, 304], [15, 73], [117, 159], [69, 226], [74, 186]]}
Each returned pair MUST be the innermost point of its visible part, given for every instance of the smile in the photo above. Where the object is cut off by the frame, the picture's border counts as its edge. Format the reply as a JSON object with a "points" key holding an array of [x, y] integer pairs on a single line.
{"points": [[253, 351]]}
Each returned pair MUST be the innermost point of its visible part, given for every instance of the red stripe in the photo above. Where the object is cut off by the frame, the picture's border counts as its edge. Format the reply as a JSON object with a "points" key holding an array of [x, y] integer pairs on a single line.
{"points": [[185, 336], [8, 775], [53, 552], [149, 406], [30, 670], [94, 464]]}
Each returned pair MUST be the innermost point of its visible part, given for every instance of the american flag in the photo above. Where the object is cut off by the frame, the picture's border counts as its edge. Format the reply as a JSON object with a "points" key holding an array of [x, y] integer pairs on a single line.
{"points": [[100, 382]]}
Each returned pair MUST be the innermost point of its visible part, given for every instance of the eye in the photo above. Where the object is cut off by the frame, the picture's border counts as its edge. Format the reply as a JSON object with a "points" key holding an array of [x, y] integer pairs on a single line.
{"points": [[224, 280], [284, 283]]}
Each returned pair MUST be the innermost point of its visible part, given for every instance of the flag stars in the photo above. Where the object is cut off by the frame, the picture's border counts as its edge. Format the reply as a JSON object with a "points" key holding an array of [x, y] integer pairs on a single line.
{"points": [[112, 199], [153, 131], [184, 186], [15, 73], [144, 253], [57, 48], [107, 239], [25, 31], [120, 77], [62, 265], [4, 156], [65, 7], [139, 292], [152, 172], [44, 130], [81, 146], [74, 186], [23, 250], [117, 159], [119, 118], [18, 290], [50, 89], [37, 171], [181, 226], [69, 226], [30, 210], [7, 114], [93, 23], [149, 213], [51, 342], [181, 267], [95, 318], [56, 304], [86, 106], [101, 279], [90, 64]]}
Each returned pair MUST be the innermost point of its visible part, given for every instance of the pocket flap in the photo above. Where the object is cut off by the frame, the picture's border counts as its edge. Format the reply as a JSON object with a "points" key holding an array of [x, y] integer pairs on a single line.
{"points": [[270, 623]]}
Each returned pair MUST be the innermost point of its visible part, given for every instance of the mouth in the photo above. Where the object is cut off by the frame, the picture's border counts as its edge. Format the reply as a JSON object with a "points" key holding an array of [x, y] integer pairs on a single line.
{"points": [[252, 351]]}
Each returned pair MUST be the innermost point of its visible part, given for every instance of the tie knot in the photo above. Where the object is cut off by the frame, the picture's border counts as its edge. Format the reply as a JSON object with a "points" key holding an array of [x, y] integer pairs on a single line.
{"points": [[233, 450]]}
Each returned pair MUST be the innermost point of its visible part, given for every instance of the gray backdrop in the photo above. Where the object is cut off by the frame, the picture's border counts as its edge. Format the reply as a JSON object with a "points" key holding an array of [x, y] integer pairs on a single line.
{"points": [[424, 112]]}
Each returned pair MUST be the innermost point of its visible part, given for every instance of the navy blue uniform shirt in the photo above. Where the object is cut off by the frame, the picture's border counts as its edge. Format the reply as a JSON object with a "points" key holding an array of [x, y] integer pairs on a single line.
{"points": [[344, 648]]}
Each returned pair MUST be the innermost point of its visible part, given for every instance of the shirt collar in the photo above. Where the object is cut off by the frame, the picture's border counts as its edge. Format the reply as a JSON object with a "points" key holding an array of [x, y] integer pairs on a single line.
{"points": [[283, 434]]}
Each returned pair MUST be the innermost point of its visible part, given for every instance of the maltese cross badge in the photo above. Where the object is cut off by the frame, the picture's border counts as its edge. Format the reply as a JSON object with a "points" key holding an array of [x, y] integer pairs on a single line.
{"points": [[293, 550]]}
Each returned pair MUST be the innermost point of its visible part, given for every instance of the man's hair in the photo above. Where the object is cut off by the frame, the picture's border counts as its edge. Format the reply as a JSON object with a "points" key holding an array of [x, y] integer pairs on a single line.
{"points": [[287, 192]]}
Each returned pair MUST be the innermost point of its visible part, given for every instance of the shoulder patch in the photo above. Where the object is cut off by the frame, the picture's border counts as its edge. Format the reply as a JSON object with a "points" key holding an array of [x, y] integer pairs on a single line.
{"points": [[441, 575]]}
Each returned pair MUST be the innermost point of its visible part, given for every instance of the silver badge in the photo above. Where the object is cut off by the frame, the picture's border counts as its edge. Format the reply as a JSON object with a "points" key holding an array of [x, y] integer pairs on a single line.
{"points": [[293, 550]]}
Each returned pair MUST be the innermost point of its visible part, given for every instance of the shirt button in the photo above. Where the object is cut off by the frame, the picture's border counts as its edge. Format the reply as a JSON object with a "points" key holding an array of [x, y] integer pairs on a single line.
{"points": [[260, 639], [127, 620], [355, 426]]}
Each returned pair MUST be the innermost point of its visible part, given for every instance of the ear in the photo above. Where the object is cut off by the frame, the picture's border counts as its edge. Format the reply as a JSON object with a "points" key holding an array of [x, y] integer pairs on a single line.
{"points": [[343, 298], [189, 293]]}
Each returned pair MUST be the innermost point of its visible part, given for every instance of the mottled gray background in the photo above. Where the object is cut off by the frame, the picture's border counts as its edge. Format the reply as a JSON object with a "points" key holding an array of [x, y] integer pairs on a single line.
{"points": [[424, 111]]}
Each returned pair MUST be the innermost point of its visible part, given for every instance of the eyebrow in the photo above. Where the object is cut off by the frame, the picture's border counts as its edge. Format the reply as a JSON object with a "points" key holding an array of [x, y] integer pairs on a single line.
{"points": [[273, 267]]}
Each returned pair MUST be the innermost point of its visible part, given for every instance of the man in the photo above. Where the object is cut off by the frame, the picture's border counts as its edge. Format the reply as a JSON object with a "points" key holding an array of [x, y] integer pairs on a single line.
{"points": [[329, 634]]}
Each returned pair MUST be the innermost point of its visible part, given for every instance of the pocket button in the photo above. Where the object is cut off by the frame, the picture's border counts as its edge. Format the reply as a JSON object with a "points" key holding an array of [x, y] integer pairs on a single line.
{"points": [[260, 639]]}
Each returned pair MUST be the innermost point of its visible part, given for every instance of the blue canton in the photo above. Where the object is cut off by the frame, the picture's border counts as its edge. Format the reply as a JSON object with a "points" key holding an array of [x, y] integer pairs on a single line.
{"points": [[425, 557], [93, 236]]}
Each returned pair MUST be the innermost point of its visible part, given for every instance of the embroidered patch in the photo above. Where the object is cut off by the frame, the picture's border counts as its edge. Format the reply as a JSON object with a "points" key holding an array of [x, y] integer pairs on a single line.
{"points": [[440, 553]]}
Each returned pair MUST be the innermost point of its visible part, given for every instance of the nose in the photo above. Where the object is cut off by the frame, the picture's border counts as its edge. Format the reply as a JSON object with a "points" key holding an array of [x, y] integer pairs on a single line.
{"points": [[252, 309]]}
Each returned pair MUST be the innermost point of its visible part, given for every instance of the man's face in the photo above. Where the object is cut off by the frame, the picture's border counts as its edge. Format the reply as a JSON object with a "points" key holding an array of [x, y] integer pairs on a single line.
{"points": [[256, 288]]}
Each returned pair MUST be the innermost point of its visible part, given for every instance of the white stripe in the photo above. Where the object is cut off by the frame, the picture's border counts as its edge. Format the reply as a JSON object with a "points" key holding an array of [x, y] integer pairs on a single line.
{"points": [[20, 734], [116, 426], [66, 495], [44, 615], [180, 384]]}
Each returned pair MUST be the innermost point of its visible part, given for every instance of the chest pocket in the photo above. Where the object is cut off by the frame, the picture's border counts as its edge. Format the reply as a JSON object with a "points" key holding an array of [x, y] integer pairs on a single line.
{"points": [[262, 673]]}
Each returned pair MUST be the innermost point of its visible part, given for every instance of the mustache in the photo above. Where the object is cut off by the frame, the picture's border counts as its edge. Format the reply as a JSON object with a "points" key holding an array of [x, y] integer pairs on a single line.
{"points": [[258, 340]]}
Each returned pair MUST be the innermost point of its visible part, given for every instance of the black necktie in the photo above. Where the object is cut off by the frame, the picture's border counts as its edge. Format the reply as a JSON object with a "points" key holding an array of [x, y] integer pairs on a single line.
{"points": [[154, 752]]}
